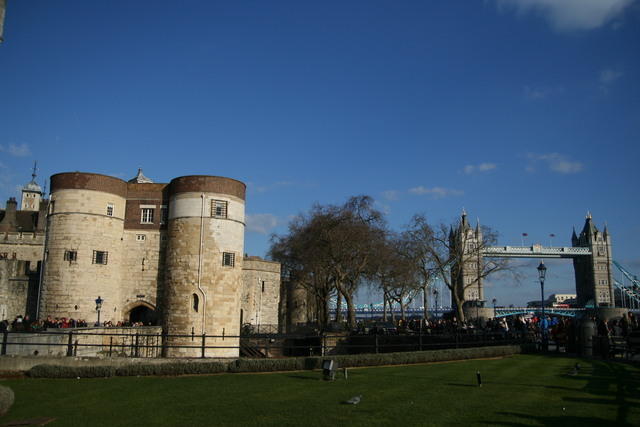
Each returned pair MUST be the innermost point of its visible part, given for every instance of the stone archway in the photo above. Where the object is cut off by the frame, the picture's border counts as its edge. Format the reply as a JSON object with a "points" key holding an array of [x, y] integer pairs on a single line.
{"points": [[143, 312]]}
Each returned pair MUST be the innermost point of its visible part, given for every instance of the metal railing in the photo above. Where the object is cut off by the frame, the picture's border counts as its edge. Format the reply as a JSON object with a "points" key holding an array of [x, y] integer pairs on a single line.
{"points": [[140, 344]]}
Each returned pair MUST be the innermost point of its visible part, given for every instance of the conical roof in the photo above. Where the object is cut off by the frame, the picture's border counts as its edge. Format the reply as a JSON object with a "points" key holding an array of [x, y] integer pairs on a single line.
{"points": [[140, 178]]}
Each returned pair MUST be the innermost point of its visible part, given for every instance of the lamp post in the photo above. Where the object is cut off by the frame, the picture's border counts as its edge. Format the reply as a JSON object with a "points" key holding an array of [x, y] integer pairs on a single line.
{"points": [[494, 307], [435, 295], [99, 302], [542, 271]]}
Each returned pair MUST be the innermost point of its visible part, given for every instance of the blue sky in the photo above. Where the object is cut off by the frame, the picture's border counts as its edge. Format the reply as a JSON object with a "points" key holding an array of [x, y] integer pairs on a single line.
{"points": [[524, 112]]}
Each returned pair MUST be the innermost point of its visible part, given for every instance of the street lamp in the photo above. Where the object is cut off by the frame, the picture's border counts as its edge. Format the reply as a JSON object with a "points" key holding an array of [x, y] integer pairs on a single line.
{"points": [[99, 302], [494, 307], [542, 272], [435, 295]]}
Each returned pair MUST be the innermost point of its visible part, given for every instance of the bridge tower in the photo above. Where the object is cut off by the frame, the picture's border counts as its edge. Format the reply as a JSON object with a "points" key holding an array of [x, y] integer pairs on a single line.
{"points": [[594, 274], [465, 274]]}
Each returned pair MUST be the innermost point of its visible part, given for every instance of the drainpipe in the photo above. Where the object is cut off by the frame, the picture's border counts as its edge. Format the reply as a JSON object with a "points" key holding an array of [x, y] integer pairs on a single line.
{"points": [[204, 295]]}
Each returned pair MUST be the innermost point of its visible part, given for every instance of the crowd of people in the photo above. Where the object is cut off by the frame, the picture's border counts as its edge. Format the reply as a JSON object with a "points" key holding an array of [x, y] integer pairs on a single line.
{"points": [[26, 324]]}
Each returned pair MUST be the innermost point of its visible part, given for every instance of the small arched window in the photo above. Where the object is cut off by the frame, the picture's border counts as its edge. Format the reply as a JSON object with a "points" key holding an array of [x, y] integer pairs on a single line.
{"points": [[196, 301]]}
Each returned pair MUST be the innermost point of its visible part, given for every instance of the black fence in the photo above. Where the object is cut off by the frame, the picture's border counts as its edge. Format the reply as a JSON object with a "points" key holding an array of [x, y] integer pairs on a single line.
{"points": [[136, 342]]}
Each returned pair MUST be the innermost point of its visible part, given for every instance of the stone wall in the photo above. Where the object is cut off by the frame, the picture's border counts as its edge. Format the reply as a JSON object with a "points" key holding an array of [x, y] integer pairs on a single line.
{"points": [[18, 289], [22, 246], [260, 291]]}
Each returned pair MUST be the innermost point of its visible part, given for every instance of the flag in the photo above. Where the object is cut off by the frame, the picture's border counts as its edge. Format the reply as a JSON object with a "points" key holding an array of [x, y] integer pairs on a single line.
{"points": [[525, 234], [552, 235]]}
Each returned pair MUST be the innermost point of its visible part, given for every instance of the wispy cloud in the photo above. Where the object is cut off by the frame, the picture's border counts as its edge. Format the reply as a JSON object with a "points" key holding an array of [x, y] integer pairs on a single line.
{"points": [[482, 167], [435, 192], [539, 93], [569, 15], [261, 223], [555, 162], [391, 195], [268, 187], [608, 77], [21, 150]]}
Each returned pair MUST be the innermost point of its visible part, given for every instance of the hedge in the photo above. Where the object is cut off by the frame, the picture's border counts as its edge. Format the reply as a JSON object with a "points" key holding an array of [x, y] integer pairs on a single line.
{"points": [[272, 365]]}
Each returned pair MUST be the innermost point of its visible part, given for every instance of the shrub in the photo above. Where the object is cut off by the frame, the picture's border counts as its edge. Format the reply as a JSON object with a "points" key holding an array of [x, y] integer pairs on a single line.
{"points": [[56, 371], [6, 399], [173, 368], [268, 365]]}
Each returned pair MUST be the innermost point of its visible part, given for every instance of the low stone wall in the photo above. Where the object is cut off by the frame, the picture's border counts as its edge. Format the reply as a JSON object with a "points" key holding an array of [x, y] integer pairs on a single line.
{"points": [[143, 341]]}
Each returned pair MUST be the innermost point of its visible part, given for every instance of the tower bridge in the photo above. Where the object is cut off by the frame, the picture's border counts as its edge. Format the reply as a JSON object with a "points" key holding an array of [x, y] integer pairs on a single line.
{"points": [[535, 251], [590, 252]]}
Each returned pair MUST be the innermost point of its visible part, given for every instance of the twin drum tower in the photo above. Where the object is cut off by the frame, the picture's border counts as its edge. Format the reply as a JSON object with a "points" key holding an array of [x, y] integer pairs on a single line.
{"points": [[173, 253]]}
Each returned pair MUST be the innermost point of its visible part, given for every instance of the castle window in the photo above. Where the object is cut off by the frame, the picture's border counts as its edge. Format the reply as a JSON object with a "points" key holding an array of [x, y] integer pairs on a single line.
{"points": [[100, 257], [196, 301], [228, 259], [146, 216], [4, 255], [263, 286], [110, 209], [71, 256], [164, 214], [141, 237], [219, 208]]}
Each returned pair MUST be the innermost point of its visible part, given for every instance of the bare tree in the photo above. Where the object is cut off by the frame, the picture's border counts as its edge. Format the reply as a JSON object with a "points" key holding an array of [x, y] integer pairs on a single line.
{"points": [[330, 250], [455, 255]]}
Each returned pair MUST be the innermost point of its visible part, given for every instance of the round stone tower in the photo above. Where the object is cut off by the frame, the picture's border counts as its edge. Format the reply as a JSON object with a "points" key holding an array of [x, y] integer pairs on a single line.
{"points": [[203, 281], [83, 248]]}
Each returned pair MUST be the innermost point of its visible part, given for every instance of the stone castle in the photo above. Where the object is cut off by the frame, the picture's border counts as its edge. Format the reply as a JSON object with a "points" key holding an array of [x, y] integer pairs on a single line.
{"points": [[159, 253]]}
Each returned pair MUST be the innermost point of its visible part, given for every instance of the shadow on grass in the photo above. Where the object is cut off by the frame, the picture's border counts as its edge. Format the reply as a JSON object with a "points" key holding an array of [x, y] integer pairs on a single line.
{"points": [[564, 420], [303, 377], [462, 385]]}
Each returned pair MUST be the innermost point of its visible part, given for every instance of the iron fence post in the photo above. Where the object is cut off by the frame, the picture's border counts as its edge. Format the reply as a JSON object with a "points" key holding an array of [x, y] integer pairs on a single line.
{"points": [[376, 335], [203, 345], [5, 337], [137, 349], [70, 344], [110, 345]]}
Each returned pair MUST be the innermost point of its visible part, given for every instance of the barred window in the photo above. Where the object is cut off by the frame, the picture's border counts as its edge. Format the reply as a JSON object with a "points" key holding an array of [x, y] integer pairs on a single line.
{"points": [[110, 207], [228, 259], [100, 257], [146, 216], [219, 208], [71, 256], [141, 237], [164, 214]]}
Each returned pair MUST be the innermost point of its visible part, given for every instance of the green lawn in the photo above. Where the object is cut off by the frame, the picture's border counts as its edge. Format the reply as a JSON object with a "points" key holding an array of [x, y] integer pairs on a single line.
{"points": [[519, 390]]}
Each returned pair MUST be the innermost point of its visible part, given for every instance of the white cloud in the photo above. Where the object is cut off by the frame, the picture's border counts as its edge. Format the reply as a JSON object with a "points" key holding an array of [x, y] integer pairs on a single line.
{"points": [[261, 223], [269, 187], [21, 150], [435, 192], [538, 93], [555, 162], [482, 167], [390, 195], [608, 76], [567, 15]]}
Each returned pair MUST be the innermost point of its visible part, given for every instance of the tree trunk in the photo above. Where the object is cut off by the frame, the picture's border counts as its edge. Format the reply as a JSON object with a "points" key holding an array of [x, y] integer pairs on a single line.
{"points": [[351, 311], [384, 306], [402, 308], [339, 308], [425, 301]]}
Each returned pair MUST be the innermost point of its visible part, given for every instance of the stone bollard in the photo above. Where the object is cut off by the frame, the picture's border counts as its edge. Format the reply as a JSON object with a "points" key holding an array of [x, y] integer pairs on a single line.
{"points": [[6, 399], [587, 332]]}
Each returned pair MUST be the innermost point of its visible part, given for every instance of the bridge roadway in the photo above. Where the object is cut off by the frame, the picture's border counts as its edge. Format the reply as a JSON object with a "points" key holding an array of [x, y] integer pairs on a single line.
{"points": [[535, 251]]}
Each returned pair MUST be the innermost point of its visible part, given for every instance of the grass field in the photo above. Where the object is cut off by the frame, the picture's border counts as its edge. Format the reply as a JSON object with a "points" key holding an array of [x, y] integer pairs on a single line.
{"points": [[518, 390]]}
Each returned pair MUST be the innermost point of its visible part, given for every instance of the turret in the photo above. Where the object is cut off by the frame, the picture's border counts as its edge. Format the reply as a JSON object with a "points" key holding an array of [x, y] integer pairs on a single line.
{"points": [[9, 222]]}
